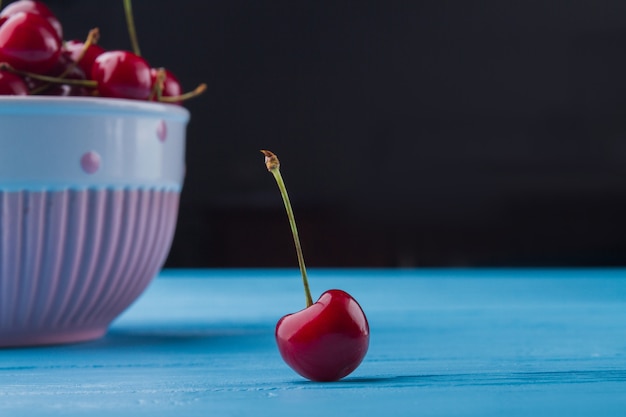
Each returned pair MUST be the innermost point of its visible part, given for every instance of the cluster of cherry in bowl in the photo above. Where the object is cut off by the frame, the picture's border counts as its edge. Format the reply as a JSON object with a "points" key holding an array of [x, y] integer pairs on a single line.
{"points": [[35, 59]]}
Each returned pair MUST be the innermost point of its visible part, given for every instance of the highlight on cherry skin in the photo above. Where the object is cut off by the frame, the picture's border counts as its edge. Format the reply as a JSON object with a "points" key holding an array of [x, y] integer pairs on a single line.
{"points": [[329, 338], [32, 48]]}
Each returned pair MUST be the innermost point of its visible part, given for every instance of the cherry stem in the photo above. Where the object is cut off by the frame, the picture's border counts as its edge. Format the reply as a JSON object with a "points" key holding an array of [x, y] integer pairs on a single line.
{"points": [[191, 94], [130, 23], [157, 88], [85, 83], [92, 38], [273, 166]]}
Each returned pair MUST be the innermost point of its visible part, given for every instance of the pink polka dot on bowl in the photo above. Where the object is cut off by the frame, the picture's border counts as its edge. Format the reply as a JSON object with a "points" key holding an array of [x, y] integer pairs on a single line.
{"points": [[90, 162], [162, 131]]}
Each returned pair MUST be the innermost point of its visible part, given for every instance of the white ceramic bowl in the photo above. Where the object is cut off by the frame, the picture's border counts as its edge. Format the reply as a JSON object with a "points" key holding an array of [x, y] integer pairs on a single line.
{"points": [[89, 191]]}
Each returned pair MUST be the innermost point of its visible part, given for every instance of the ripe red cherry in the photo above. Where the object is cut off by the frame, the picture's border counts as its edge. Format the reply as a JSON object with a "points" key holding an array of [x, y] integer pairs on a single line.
{"points": [[12, 85], [122, 74], [35, 7], [171, 85], [74, 48], [326, 341], [28, 42], [64, 66]]}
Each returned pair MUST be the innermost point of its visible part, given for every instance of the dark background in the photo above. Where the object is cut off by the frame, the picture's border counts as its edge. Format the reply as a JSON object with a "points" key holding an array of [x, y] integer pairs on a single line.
{"points": [[411, 133]]}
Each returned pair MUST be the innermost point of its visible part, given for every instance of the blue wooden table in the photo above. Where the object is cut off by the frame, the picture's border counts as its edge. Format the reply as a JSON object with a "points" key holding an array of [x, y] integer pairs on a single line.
{"points": [[443, 343]]}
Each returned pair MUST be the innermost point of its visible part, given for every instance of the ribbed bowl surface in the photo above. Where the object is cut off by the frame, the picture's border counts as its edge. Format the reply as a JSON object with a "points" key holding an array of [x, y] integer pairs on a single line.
{"points": [[89, 192]]}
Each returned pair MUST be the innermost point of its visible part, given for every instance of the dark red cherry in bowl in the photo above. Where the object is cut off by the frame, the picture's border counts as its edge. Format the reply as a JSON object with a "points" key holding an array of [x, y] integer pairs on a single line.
{"points": [[171, 85], [326, 341], [122, 74], [28, 42], [74, 48], [12, 85], [64, 66], [35, 7]]}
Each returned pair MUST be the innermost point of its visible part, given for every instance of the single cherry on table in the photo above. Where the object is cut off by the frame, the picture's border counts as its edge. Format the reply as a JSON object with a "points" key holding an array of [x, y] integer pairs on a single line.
{"points": [[329, 338]]}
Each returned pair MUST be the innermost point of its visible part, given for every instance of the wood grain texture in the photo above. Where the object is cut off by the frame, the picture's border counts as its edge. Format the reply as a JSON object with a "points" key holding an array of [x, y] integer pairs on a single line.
{"points": [[444, 343]]}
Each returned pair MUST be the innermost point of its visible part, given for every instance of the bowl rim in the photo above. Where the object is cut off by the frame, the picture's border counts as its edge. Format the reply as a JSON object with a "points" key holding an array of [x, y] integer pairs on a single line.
{"points": [[43, 105]]}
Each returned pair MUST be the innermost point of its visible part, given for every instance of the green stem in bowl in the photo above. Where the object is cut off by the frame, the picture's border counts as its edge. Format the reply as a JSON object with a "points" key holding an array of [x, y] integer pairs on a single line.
{"points": [[130, 23], [157, 88], [190, 94], [92, 38], [85, 83]]}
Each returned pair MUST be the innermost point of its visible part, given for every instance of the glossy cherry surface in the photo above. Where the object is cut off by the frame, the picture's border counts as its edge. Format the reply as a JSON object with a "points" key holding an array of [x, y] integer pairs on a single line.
{"points": [[326, 341], [28, 42], [35, 7], [74, 48], [12, 85], [122, 74]]}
